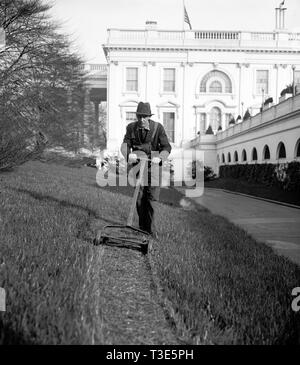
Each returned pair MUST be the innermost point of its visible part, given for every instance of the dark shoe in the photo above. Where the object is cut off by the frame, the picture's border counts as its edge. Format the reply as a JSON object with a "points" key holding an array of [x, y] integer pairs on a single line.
{"points": [[145, 230]]}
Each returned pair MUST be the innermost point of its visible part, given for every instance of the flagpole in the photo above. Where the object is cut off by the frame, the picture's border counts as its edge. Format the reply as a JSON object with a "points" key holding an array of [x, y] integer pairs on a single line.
{"points": [[182, 15]]}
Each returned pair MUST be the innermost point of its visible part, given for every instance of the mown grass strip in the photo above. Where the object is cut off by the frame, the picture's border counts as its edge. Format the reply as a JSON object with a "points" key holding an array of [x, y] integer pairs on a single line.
{"points": [[224, 287]]}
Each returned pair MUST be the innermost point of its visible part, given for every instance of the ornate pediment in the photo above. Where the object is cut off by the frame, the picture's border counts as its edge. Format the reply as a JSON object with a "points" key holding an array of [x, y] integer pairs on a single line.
{"points": [[129, 103], [168, 105]]}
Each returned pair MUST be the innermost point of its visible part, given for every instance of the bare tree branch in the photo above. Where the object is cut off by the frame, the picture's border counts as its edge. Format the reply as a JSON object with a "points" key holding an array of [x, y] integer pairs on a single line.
{"points": [[38, 72]]}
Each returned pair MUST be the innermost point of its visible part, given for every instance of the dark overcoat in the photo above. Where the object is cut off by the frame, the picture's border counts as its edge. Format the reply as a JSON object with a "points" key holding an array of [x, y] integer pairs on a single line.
{"points": [[133, 142]]}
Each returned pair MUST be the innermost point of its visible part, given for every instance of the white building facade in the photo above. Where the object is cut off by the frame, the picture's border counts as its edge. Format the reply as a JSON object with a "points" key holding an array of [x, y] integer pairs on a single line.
{"points": [[272, 136], [193, 79]]}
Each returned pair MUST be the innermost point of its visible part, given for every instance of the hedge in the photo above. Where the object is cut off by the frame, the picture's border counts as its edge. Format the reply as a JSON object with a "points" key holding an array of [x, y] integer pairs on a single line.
{"points": [[286, 176]]}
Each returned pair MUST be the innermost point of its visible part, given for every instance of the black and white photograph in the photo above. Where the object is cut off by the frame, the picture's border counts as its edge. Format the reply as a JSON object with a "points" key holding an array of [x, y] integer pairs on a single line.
{"points": [[150, 175]]}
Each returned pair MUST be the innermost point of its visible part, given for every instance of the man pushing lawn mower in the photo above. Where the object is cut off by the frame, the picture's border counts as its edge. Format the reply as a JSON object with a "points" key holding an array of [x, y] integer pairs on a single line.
{"points": [[148, 138]]}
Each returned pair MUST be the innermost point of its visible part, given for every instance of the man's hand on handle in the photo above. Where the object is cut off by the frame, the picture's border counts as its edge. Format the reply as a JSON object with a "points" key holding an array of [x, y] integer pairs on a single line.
{"points": [[156, 160], [132, 158]]}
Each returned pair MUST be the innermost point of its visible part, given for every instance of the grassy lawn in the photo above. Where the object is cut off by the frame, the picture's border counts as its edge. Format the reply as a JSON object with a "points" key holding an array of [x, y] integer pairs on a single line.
{"points": [[259, 190], [48, 271], [221, 286]]}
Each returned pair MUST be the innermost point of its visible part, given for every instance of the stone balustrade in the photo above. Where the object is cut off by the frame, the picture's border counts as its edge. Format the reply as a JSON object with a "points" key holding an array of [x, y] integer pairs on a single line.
{"points": [[241, 39], [273, 113], [102, 67]]}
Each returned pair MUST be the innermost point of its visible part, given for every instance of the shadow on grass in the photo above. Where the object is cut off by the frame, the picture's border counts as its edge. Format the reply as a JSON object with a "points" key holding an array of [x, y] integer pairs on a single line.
{"points": [[168, 196], [74, 162], [5, 171], [10, 337], [64, 203]]}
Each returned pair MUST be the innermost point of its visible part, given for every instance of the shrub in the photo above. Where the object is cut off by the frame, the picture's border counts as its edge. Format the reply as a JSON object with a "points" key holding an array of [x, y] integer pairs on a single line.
{"points": [[197, 168], [209, 173], [209, 130], [247, 115], [18, 148], [293, 172], [286, 176], [111, 161], [287, 90], [268, 101]]}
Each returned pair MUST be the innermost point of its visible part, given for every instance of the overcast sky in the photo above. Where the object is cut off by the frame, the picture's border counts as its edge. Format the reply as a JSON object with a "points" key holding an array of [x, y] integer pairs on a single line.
{"points": [[87, 21]]}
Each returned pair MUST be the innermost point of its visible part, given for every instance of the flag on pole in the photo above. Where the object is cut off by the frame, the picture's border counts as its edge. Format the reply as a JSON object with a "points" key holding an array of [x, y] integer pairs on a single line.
{"points": [[281, 4], [186, 17]]}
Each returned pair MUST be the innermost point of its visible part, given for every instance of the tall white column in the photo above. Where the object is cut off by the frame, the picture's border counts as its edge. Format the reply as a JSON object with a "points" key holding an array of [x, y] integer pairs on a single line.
{"points": [[207, 121], [197, 123], [146, 80], [183, 137], [277, 91], [223, 121], [283, 18], [277, 18]]}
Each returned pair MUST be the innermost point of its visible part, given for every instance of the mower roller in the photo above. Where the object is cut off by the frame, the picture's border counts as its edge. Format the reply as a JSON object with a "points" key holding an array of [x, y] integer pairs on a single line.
{"points": [[126, 235]]}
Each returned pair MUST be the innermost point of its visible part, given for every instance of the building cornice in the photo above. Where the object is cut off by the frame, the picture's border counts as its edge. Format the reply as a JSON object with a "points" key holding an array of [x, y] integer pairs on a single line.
{"points": [[108, 48]]}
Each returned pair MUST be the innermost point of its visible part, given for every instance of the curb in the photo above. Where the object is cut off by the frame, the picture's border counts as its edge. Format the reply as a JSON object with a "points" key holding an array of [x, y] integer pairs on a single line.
{"points": [[258, 198]]}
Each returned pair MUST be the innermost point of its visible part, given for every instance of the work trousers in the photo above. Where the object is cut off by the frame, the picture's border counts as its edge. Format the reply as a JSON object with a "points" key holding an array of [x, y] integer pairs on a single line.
{"points": [[145, 204]]}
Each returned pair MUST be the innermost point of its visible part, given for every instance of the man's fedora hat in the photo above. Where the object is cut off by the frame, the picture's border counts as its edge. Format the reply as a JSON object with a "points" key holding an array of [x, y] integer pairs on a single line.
{"points": [[143, 109]]}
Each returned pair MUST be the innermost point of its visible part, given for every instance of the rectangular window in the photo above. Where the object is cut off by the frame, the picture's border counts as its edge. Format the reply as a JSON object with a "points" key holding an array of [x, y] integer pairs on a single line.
{"points": [[169, 125], [130, 117], [132, 79], [262, 82], [169, 79], [297, 81]]}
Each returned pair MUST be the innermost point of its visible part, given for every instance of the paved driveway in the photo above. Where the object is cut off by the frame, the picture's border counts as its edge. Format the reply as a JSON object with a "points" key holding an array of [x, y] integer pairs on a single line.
{"points": [[274, 224]]}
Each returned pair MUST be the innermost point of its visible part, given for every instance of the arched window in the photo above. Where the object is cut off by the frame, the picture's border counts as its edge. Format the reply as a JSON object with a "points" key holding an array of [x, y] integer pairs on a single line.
{"points": [[236, 157], [215, 118], [244, 155], [254, 154], [266, 153], [281, 151], [215, 87], [218, 76], [223, 158], [297, 149], [229, 157]]}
